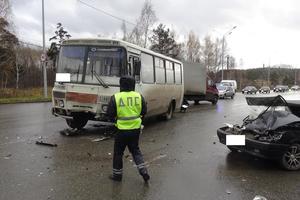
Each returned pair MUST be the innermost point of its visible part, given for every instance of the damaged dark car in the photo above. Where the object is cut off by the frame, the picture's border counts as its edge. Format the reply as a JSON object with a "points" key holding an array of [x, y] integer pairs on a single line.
{"points": [[272, 131]]}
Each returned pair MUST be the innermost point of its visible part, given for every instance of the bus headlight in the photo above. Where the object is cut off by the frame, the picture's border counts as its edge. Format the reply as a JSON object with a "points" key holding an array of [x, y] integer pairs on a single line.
{"points": [[61, 103], [104, 108]]}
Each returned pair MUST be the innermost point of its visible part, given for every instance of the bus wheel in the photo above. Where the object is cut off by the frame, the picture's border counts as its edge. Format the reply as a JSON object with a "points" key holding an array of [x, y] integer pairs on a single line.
{"points": [[170, 112], [77, 122]]}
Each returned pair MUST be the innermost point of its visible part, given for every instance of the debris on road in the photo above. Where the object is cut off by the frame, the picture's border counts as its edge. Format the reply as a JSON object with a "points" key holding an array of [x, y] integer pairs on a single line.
{"points": [[7, 157], [100, 139], [258, 197], [109, 154], [89, 154], [40, 174], [190, 152], [45, 144], [228, 192]]}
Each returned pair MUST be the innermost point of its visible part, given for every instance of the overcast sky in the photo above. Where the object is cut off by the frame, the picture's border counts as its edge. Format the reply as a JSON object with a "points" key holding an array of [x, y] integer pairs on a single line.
{"points": [[267, 30]]}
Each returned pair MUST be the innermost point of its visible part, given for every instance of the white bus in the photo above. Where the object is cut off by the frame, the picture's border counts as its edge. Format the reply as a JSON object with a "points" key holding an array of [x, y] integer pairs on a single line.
{"points": [[94, 67]]}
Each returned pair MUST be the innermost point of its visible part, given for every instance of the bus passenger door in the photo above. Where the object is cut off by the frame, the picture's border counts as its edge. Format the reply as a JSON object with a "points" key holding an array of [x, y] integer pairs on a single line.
{"points": [[132, 71]]}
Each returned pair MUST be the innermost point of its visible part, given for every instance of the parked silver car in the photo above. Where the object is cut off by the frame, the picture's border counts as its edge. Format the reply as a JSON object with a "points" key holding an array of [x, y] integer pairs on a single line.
{"points": [[225, 91]]}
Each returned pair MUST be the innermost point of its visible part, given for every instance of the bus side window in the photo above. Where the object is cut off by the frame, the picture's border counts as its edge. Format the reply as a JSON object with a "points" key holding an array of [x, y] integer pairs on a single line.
{"points": [[147, 69], [160, 71], [169, 72], [178, 73], [136, 69], [130, 64]]}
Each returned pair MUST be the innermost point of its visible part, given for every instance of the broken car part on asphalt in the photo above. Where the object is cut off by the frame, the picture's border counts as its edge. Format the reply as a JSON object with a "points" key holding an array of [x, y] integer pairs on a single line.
{"points": [[45, 144]]}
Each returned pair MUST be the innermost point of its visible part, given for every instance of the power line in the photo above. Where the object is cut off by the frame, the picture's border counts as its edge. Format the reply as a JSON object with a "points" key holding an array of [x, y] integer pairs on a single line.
{"points": [[106, 13]]}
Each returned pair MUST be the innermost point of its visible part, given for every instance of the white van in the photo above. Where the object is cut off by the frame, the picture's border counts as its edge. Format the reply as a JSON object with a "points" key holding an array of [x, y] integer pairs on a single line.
{"points": [[231, 83]]}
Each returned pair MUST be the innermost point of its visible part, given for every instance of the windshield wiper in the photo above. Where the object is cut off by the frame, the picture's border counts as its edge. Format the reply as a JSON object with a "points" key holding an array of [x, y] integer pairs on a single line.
{"points": [[99, 79]]}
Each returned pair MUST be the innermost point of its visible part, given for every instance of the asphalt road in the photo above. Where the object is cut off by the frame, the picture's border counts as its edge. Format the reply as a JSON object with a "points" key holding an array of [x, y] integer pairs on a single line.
{"points": [[184, 157]]}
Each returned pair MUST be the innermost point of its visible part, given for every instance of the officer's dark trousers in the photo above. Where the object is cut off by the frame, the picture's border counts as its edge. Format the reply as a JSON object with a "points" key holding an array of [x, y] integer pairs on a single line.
{"points": [[131, 140]]}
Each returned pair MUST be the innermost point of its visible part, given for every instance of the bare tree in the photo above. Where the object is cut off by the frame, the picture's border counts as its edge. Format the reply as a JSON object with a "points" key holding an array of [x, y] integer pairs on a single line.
{"points": [[193, 48], [231, 63], [61, 34], [8, 41], [217, 54], [5, 9], [140, 32], [208, 53]]}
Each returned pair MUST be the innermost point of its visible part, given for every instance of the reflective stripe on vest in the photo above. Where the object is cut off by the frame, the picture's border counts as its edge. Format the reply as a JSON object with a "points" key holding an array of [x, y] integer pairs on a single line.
{"points": [[129, 107]]}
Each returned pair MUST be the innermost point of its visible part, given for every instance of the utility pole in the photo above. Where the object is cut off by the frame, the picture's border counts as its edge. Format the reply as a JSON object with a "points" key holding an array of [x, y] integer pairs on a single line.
{"points": [[269, 76], [222, 58], [43, 58], [223, 44], [295, 82]]}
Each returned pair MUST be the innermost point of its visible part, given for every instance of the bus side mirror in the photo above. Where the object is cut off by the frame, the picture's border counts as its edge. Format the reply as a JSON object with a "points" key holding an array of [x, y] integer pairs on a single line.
{"points": [[137, 67]]}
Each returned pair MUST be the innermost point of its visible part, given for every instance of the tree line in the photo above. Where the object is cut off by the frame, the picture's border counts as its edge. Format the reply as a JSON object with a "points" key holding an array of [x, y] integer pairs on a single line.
{"points": [[163, 40], [20, 64]]}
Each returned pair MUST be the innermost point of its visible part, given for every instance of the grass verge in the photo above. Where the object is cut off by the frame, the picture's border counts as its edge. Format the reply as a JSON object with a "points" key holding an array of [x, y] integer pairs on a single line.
{"points": [[31, 95]]}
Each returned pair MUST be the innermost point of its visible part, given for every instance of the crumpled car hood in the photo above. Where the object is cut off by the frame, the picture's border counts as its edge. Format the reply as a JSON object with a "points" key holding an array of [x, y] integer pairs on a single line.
{"points": [[271, 119]]}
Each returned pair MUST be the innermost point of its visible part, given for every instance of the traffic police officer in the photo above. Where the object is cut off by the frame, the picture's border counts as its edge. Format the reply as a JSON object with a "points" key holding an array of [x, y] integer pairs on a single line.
{"points": [[127, 109]]}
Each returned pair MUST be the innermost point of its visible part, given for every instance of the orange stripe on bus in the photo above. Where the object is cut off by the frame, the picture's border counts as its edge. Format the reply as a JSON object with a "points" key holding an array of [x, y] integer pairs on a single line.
{"points": [[81, 97]]}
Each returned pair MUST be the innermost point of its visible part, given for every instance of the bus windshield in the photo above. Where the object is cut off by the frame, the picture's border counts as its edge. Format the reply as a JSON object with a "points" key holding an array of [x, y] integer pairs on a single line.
{"points": [[108, 63], [84, 63], [71, 60]]}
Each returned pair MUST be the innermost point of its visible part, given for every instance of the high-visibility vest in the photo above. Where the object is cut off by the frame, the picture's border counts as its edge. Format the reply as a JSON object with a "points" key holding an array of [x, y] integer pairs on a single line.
{"points": [[129, 108]]}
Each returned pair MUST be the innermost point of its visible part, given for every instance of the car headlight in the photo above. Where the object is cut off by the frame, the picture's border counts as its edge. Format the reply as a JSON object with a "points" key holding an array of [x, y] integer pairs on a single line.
{"points": [[61, 103]]}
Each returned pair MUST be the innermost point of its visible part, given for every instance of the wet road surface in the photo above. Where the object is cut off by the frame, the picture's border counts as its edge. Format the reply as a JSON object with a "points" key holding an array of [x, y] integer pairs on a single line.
{"points": [[185, 159]]}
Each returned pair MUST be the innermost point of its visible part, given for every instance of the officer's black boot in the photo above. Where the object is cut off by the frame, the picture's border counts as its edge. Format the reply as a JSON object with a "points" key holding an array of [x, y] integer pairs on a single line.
{"points": [[146, 177], [115, 178]]}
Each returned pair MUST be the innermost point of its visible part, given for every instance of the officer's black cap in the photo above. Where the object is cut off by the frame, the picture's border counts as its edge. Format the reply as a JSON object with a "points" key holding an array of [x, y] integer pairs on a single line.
{"points": [[127, 83]]}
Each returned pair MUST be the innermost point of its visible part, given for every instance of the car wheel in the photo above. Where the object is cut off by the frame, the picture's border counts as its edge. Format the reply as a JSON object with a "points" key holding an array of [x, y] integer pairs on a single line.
{"points": [[232, 96], [77, 122], [214, 101], [290, 159]]}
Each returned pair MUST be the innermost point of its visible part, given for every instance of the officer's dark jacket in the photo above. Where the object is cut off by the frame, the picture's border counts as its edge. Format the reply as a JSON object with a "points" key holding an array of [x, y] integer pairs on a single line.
{"points": [[126, 85]]}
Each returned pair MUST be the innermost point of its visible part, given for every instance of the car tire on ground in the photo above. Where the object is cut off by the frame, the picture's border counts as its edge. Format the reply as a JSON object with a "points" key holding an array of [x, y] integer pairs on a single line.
{"points": [[290, 159], [78, 122], [232, 96], [215, 99]]}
